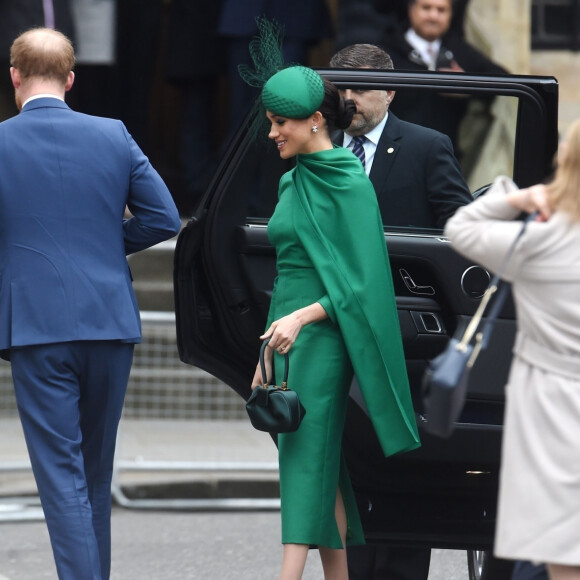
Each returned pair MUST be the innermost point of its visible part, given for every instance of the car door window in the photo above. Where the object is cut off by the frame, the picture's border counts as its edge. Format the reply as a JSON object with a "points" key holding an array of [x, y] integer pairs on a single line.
{"points": [[482, 129], [488, 139]]}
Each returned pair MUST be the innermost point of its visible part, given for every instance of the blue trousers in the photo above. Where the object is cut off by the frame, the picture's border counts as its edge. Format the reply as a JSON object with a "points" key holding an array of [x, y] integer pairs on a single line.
{"points": [[528, 571], [70, 398]]}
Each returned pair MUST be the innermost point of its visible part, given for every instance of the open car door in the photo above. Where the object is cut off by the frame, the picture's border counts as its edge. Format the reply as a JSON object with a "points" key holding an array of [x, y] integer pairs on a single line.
{"points": [[443, 494]]}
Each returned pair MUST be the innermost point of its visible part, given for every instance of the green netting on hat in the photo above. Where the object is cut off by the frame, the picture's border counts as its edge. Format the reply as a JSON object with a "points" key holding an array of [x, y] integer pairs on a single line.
{"points": [[266, 52], [295, 92]]}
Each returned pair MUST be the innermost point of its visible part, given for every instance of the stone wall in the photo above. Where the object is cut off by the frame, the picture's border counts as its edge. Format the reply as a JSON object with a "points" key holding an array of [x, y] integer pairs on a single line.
{"points": [[502, 29], [565, 66]]}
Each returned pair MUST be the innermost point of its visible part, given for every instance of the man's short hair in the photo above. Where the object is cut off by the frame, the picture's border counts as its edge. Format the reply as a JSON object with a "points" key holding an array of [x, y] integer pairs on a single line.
{"points": [[362, 56], [43, 53]]}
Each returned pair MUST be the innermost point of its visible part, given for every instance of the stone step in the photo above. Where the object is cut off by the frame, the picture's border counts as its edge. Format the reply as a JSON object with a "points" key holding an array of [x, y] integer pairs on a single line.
{"points": [[152, 272]]}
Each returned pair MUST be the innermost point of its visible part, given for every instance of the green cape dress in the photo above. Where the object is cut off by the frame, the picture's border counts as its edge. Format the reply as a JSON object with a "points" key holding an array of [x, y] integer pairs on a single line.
{"points": [[331, 249]]}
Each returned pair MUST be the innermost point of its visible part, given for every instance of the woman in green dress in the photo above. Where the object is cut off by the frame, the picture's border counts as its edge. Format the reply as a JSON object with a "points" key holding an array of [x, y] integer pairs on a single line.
{"points": [[333, 310]]}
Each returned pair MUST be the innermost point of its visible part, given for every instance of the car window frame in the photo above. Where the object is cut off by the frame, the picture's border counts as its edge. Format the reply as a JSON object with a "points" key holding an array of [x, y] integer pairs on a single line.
{"points": [[526, 88], [530, 152]]}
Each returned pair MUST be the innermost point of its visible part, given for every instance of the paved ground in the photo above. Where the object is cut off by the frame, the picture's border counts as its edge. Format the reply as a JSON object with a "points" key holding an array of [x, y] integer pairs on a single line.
{"points": [[212, 465], [182, 545], [153, 453]]}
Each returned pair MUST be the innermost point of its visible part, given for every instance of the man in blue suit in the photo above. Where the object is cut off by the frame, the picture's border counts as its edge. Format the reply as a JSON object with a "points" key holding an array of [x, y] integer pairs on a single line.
{"points": [[68, 314]]}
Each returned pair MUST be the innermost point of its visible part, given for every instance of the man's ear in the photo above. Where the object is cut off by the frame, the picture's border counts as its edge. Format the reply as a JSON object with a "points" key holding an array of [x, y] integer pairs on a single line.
{"points": [[390, 97], [69, 81], [15, 76]]}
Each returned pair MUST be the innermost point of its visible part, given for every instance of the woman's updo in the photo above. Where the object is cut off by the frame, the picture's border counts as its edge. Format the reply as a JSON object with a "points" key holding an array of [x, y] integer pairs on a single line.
{"points": [[337, 110]]}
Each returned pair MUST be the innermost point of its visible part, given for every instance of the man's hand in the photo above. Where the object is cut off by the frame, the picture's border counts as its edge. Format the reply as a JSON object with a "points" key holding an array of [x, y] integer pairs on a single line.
{"points": [[453, 67]]}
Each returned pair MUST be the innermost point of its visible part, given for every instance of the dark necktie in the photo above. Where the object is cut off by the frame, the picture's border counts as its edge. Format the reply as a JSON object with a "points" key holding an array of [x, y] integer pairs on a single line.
{"points": [[358, 149], [432, 64]]}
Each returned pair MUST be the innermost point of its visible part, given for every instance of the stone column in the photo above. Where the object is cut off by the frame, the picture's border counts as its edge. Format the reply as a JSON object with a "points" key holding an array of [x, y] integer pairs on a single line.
{"points": [[501, 29]]}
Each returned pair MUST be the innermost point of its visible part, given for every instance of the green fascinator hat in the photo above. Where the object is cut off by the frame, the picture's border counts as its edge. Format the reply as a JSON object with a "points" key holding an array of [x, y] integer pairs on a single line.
{"points": [[294, 92], [291, 91]]}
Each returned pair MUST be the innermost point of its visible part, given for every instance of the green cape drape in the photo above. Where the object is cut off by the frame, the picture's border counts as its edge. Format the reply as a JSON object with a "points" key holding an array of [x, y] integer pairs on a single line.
{"points": [[339, 225]]}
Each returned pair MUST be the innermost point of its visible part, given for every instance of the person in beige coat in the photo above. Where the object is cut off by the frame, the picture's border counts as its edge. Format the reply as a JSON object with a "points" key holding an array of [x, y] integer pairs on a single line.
{"points": [[539, 497]]}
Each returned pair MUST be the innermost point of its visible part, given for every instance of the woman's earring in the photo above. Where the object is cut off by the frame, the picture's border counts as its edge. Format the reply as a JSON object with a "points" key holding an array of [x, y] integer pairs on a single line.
{"points": [[315, 128]]}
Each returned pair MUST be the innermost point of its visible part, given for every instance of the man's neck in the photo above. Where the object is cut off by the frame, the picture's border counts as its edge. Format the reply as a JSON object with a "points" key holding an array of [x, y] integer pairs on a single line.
{"points": [[36, 87], [42, 96]]}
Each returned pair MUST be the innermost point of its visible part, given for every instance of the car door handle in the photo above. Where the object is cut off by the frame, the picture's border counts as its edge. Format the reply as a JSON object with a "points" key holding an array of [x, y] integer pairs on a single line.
{"points": [[427, 322], [414, 288]]}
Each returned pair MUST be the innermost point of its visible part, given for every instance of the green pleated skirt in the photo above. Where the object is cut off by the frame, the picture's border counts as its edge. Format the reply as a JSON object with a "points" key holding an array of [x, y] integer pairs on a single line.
{"points": [[312, 467]]}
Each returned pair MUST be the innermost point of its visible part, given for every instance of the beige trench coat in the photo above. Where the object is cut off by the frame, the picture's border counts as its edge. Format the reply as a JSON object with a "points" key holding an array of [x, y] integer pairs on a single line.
{"points": [[539, 500]]}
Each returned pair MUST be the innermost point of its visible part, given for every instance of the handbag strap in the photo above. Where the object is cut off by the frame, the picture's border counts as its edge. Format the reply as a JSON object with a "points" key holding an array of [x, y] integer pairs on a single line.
{"points": [[263, 366], [482, 337]]}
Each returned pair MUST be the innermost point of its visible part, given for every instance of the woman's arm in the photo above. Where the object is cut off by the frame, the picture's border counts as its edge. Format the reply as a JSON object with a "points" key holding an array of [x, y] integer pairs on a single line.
{"points": [[530, 200], [484, 230], [283, 333]]}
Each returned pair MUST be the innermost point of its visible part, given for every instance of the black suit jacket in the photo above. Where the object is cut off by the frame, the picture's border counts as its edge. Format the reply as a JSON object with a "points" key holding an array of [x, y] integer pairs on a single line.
{"points": [[193, 48], [416, 176], [17, 16], [308, 20], [469, 58], [439, 112]]}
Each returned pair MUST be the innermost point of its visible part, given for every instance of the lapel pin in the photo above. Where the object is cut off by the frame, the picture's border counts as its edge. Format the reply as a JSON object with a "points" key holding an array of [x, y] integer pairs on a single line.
{"points": [[390, 150]]}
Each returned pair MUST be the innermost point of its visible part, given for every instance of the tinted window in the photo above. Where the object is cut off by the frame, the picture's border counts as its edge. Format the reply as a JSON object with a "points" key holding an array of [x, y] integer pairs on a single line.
{"points": [[482, 129], [484, 139]]}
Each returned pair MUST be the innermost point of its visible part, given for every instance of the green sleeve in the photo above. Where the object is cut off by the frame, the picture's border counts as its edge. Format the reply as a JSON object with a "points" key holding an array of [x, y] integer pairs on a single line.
{"points": [[327, 305]]}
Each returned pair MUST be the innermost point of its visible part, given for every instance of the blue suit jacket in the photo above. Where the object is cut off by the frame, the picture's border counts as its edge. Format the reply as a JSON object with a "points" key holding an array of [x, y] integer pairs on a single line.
{"points": [[65, 179]]}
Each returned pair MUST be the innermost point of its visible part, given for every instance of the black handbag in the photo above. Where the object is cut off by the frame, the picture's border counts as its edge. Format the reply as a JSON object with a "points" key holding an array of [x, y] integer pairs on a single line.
{"points": [[445, 381], [271, 408]]}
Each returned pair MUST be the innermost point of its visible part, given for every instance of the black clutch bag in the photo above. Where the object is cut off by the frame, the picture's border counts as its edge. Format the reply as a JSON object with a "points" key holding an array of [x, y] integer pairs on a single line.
{"points": [[271, 408], [444, 386]]}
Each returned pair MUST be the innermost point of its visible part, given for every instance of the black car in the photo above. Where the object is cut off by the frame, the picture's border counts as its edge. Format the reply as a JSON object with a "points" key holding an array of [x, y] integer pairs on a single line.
{"points": [[443, 494]]}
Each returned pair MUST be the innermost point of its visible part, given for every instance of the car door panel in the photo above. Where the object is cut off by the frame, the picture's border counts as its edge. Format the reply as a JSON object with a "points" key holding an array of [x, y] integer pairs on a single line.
{"points": [[427, 320]]}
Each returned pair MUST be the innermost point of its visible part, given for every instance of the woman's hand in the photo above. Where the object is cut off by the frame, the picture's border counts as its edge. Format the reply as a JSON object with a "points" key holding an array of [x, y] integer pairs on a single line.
{"points": [[532, 199], [283, 332]]}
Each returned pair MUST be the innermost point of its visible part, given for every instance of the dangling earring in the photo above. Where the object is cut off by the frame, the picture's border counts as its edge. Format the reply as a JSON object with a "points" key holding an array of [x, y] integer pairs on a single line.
{"points": [[315, 128]]}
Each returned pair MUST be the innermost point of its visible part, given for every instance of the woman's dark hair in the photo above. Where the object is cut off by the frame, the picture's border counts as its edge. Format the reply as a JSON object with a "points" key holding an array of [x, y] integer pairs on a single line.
{"points": [[337, 111]]}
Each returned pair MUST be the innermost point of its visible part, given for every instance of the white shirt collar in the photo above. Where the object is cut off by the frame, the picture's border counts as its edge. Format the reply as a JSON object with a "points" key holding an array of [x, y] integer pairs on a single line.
{"points": [[41, 96], [422, 47], [374, 135], [370, 145]]}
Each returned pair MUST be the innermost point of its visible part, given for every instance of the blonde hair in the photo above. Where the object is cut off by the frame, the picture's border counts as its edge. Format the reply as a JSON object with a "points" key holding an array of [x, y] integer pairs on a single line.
{"points": [[43, 53], [564, 190]]}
